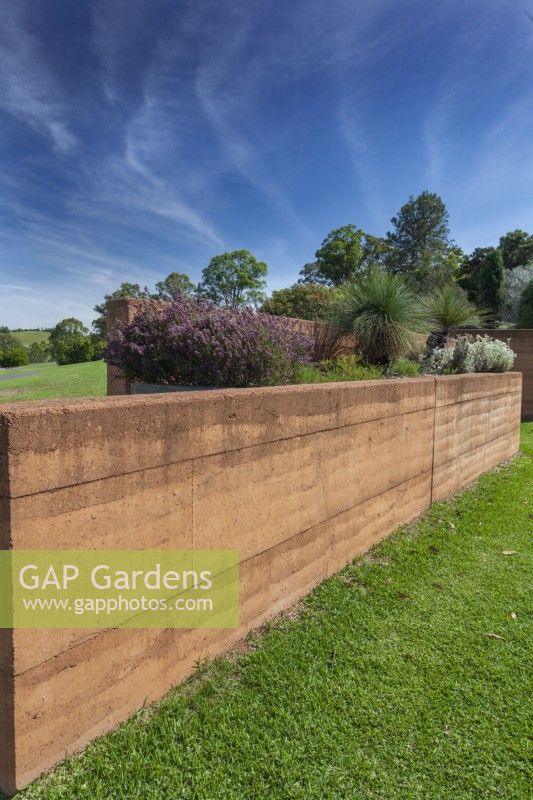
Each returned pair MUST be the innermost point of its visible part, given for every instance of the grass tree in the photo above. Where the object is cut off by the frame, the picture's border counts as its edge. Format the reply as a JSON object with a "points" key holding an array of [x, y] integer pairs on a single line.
{"points": [[447, 309], [383, 312]]}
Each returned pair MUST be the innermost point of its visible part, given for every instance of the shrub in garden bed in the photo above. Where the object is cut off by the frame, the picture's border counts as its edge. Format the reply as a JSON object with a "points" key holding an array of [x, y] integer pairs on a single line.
{"points": [[194, 342], [469, 354], [351, 368], [405, 368], [383, 312]]}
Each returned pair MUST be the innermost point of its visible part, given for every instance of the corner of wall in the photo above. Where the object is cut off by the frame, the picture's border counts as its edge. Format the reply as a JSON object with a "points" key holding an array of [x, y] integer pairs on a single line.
{"points": [[7, 704], [7, 713], [433, 437]]}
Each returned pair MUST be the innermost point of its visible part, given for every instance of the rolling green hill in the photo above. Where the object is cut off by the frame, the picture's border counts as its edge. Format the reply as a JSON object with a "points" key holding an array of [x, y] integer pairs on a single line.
{"points": [[28, 337], [40, 381]]}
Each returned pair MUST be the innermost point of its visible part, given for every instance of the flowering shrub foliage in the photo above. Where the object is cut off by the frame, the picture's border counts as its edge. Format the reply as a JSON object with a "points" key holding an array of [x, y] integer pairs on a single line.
{"points": [[467, 354], [193, 341]]}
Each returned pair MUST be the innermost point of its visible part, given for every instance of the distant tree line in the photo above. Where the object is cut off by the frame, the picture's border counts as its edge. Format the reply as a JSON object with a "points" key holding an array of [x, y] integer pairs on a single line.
{"points": [[497, 280], [70, 342], [231, 280], [12, 352], [418, 247]]}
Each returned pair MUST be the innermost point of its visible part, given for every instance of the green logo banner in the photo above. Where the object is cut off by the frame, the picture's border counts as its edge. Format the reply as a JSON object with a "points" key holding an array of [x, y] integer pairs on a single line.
{"points": [[119, 588]]}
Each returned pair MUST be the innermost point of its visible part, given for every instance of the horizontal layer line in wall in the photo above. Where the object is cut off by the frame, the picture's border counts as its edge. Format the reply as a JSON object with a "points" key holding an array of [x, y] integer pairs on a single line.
{"points": [[474, 450], [83, 639], [208, 454]]}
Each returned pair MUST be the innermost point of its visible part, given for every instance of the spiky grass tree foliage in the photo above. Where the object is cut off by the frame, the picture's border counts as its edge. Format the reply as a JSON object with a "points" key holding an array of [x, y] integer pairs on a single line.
{"points": [[383, 312], [448, 308]]}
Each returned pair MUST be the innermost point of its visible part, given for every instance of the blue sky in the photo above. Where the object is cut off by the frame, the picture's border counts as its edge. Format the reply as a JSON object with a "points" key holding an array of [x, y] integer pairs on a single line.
{"points": [[139, 137]]}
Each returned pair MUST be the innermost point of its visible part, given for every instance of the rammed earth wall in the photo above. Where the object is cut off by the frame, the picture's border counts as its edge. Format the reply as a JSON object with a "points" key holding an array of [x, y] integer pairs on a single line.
{"points": [[299, 479]]}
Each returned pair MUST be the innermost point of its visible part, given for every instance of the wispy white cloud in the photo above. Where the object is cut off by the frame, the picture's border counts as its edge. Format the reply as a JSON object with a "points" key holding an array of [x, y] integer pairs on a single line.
{"points": [[242, 156], [122, 182], [193, 117], [504, 160], [13, 287], [434, 134], [497, 183], [378, 41], [138, 177], [116, 31], [239, 70], [463, 82], [28, 89], [229, 84], [362, 160]]}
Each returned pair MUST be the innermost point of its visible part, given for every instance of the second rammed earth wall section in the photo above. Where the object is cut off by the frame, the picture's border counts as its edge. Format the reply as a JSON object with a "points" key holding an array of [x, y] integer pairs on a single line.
{"points": [[328, 343], [299, 479], [521, 341]]}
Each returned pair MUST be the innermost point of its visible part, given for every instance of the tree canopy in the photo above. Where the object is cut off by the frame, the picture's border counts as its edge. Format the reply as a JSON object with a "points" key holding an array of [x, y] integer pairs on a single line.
{"points": [[471, 268], [517, 249], [71, 343], [67, 327], [525, 308], [12, 353], [490, 286], [339, 257], [344, 252], [174, 284], [38, 352], [234, 280], [125, 290], [302, 300], [340, 254], [420, 241]]}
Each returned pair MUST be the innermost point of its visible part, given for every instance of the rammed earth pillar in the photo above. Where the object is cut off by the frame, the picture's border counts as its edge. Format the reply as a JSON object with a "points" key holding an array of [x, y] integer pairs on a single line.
{"points": [[121, 310]]}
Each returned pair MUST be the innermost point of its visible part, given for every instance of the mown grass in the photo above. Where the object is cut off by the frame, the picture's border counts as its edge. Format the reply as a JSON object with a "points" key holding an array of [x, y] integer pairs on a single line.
{"points": [[28, 337], [405, 676], [71, 380]]}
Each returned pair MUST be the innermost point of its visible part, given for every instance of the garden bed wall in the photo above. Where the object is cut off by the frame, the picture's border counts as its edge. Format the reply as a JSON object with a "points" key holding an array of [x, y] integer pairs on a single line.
{"points": [[521, 341], [299, 479]]}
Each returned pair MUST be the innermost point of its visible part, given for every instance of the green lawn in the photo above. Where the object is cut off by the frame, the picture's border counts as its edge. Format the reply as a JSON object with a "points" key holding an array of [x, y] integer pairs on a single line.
{"points": [[28, 337], [71, 380], [406, 676]]}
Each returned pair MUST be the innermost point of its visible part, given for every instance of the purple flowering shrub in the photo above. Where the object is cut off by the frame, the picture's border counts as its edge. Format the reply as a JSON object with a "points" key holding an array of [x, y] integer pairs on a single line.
{"points": [[193, 341]]}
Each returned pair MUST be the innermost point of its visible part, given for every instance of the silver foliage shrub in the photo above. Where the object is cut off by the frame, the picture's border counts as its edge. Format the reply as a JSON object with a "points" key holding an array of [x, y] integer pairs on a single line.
{"points": [[469, 354]]}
